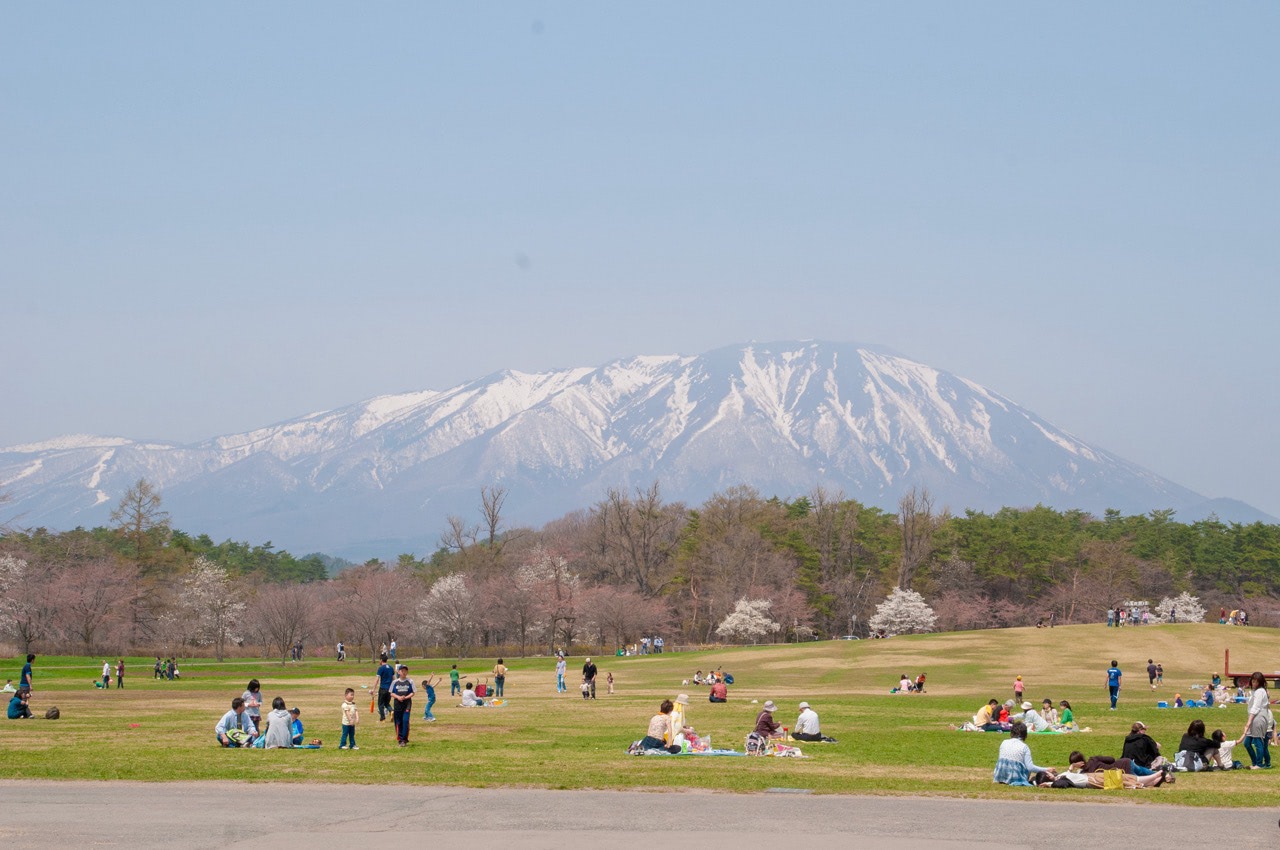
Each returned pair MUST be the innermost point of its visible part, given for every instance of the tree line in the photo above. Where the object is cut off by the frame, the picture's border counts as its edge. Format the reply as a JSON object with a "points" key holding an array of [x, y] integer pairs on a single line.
{"points": [[633, 564]]}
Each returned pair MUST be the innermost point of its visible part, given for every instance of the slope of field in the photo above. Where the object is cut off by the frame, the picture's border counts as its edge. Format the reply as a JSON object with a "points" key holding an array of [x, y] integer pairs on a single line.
{"points": [[888, 743]]}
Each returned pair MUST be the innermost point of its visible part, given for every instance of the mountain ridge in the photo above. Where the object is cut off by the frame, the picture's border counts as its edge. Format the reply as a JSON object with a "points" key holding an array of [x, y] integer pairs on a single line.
{"points": [[781, 417]]}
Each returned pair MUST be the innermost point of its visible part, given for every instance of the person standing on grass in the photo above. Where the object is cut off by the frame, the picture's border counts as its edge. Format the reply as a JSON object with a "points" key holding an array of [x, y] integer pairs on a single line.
{"points": [[106, 674], [402, 694], [350, 719], [429, 687], [120, 673], [393, 649], [560, 668], [609, 679], [454, 687], [1256, 729], [157, 672], [252, 697], [1113, 683], [24, 680], [386, 675], [589, 678], [499, 677], [1018, 688]]}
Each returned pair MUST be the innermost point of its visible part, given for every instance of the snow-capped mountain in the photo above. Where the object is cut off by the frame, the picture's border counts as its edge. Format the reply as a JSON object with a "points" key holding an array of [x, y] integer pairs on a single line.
{"points": [[379, 477]]}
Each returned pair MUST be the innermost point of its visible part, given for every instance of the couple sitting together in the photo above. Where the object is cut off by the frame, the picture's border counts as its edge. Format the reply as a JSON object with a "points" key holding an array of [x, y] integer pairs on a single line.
{"points": [[1014, 766]]}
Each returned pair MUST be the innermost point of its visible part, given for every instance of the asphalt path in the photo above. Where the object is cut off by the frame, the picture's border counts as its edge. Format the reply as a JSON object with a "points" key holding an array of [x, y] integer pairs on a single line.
{"points": [[342, 817]]}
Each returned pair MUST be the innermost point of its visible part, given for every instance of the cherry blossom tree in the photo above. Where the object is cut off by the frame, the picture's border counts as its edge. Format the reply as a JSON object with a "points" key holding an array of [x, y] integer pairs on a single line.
{"points": [[903, 612], [749, 620], [213, 604], [27, 607], [449, 612], [1187, 608]]}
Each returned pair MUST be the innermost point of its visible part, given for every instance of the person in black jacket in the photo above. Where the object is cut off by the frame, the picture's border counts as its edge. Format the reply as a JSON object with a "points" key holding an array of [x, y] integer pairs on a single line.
{"points": [[1140, 746], [1194, 743], [589, 677]]}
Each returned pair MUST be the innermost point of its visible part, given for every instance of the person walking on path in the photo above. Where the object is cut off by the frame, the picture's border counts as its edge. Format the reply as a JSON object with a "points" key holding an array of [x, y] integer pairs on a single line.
{"points": [[386, 676], [1113, 683], [499, 677], [402, 693], [393, 649], [454, 688], [589, 677], [560, 668]]}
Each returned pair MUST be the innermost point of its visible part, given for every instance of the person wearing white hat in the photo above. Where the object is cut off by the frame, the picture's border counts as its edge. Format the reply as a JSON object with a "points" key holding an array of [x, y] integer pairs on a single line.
{"points": [[807, 727], [766, 726], [1033, 720]]}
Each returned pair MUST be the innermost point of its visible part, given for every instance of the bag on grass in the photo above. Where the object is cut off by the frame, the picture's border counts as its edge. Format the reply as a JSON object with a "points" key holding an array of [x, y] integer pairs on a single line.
{"points": [[1113, 780], [52, 713]]}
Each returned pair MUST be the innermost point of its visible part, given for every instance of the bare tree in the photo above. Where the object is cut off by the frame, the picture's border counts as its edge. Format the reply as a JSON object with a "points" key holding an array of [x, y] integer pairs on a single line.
{"points": [[376, 604], [639, 534], [284, 612], [917, 523], [491, 502]]}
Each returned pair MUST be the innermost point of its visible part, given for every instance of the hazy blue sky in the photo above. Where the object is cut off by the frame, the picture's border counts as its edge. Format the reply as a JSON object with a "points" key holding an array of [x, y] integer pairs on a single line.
{"points": [[218, 216]]}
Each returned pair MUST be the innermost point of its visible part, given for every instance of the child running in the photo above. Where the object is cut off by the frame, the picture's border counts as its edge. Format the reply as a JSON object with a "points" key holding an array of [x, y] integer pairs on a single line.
{"points": [[350, 718]]}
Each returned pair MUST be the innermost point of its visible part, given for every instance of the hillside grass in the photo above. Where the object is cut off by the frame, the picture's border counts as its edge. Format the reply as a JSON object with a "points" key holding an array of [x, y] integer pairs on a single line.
{"points": [[896, 744]]}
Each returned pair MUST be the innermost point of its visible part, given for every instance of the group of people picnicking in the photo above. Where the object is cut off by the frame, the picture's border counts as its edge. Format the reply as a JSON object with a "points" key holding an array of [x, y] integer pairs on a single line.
{"points": [[670, 732], [907, 686], [1141, 763]]}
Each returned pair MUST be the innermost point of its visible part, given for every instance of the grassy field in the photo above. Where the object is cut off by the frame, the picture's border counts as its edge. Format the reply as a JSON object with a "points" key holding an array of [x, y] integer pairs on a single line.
{"points": [[887, 743]]}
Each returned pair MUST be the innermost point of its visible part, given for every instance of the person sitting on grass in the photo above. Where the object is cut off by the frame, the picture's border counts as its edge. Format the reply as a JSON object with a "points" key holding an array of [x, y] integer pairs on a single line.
{"points": [[904, 684], [719, 692], [235, 729], [469, 698], [1141, 747], [1048, 712], [660, 730], [1067, 719], [985, 719], [1195, 751], [697, 678], [279, 734], [1014, 764], [8, 687], [807, 726], [766, 726], [295, 726], [1032, 719], [18, 707]]}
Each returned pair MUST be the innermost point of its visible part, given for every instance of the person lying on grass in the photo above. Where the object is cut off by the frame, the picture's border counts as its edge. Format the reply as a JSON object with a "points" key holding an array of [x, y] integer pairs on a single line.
{"points": [[1078, 775], [1128, 765], [1014, 765]]}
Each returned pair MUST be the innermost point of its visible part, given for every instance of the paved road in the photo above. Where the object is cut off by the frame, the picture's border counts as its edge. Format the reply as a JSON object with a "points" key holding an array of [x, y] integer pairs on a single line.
{"points": [[342, 817]]}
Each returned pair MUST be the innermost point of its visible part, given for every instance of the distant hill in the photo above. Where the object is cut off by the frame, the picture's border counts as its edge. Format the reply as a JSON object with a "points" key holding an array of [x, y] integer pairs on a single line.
{"points": [[379, 477]]}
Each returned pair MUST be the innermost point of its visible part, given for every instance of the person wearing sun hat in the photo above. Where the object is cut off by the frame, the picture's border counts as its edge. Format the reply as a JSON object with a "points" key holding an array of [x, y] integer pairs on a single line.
{"points": [[1034, 722], [765, 724], [807, 727], [677, 716]]}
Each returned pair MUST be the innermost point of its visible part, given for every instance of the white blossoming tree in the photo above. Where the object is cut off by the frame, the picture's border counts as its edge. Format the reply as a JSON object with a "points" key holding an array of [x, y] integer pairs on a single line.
{"points": [[749, 621], [1187, 608], [448, 612], [213, 604], [903, 612]]}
